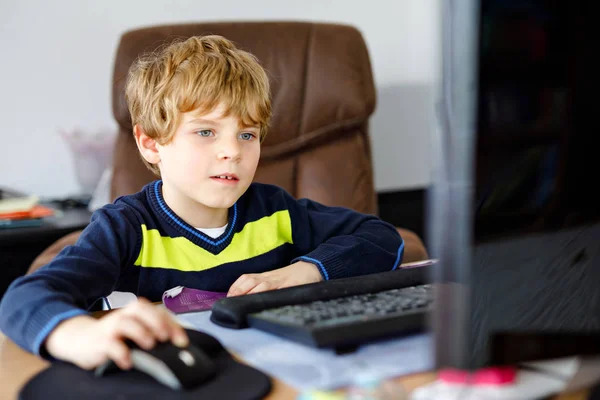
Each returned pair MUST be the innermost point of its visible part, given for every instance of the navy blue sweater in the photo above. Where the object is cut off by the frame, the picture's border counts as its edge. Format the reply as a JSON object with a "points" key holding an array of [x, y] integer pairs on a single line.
{"points": [[139, 245]]}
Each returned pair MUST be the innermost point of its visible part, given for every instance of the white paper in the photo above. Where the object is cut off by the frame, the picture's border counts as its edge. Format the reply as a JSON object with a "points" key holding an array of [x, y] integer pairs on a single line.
{"points": [[173, 292], [304, 367], [118, 299]]}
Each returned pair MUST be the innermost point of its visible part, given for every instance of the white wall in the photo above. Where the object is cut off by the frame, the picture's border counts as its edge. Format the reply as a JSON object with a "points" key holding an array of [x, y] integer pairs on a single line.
{"points": [[57, 60]]}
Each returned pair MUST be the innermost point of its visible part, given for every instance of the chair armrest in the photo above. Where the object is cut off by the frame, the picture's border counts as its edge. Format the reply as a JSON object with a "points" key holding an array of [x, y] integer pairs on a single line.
{"points": [[414, 249], [47, 255]]}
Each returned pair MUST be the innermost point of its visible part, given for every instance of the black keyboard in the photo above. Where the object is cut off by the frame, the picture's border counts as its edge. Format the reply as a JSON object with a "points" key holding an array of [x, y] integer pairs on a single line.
{"points": [[345, 322]]}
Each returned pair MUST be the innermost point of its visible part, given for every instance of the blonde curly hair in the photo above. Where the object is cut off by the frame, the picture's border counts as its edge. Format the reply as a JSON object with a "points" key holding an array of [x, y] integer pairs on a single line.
{"points": [[196, 73]]}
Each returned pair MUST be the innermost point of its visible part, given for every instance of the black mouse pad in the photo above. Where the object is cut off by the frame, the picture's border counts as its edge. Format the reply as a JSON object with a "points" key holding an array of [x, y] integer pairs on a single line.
{"points": [[233, 380]]}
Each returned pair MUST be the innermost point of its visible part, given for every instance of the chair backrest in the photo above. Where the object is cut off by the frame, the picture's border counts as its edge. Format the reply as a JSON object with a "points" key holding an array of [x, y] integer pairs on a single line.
{"points": [[323, 95]]}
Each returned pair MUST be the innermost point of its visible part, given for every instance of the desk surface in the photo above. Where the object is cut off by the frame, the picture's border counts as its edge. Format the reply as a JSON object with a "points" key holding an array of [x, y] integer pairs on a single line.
{"points": [[18, 366], [64, 222]]}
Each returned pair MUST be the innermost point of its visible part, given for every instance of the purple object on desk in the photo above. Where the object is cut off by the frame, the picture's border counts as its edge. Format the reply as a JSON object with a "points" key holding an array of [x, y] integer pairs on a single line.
{"points": [[182, 300]]}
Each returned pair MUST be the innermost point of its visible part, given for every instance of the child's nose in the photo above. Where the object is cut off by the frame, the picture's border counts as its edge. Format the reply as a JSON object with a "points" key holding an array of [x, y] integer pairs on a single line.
{"points": [[229, 149]]}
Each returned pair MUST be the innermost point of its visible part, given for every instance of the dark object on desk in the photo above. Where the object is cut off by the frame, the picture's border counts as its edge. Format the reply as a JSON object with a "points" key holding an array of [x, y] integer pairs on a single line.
{"points": [[6, 193], [21, 223], [233, 380], [344, 323], [69, 203], [232, 312], [177, 368], [20, 246]]}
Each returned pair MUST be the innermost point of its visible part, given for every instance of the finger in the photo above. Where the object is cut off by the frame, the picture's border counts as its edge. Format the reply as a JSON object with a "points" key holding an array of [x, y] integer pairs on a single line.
{"points": [[177, 333], [262, 287], [233, 289], [131, 328], [161, 324], [150, 316], [243, 285], [119, 353]]}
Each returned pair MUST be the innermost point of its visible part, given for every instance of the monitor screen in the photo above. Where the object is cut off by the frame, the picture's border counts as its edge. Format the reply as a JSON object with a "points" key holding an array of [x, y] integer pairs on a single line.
{"points": [[533, 220]]}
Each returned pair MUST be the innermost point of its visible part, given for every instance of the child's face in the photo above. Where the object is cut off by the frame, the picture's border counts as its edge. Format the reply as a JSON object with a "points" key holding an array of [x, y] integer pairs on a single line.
{"points": [[210, 161]]}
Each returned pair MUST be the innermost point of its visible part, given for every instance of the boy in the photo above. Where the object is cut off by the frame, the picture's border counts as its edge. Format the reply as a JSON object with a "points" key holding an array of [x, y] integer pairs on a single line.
{"points": [[200, 109]]}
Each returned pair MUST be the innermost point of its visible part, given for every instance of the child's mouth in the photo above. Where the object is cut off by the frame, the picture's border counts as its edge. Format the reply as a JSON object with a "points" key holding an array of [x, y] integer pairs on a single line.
{"points": [[225, 178]]}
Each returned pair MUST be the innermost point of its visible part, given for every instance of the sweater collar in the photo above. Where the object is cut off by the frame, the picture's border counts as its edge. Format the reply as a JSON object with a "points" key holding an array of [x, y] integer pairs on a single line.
{"points": [[189, 232]]}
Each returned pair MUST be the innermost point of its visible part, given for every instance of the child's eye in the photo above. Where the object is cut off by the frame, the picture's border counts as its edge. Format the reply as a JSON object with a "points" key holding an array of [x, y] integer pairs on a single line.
{"points": [[247, 136], [205, 133]]}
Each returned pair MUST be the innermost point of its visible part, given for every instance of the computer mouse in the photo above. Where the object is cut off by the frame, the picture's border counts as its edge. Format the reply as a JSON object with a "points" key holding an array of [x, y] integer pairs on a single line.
{"points": [[174, 367]]}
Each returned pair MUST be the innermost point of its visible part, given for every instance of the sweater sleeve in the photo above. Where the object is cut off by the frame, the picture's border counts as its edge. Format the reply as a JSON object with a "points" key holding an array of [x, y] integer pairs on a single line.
{"points": [[342, 242], [79, 275]]}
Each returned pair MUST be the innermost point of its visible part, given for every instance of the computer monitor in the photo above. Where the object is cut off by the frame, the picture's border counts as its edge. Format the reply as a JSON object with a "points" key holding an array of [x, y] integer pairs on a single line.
{"points": [[513, 211]]}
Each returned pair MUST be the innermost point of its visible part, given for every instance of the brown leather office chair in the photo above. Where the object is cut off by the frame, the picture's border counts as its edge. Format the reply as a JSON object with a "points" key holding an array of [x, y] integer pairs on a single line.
{"points": [[323, 95]]}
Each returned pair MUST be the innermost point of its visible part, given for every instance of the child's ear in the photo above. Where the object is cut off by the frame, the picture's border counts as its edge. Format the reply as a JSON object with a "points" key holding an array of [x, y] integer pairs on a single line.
{"points": [[146, 145]]}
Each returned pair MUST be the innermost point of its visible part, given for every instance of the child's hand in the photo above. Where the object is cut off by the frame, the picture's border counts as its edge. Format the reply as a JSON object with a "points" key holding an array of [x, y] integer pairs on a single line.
{"points": [[298, 273], [89, 342]]}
